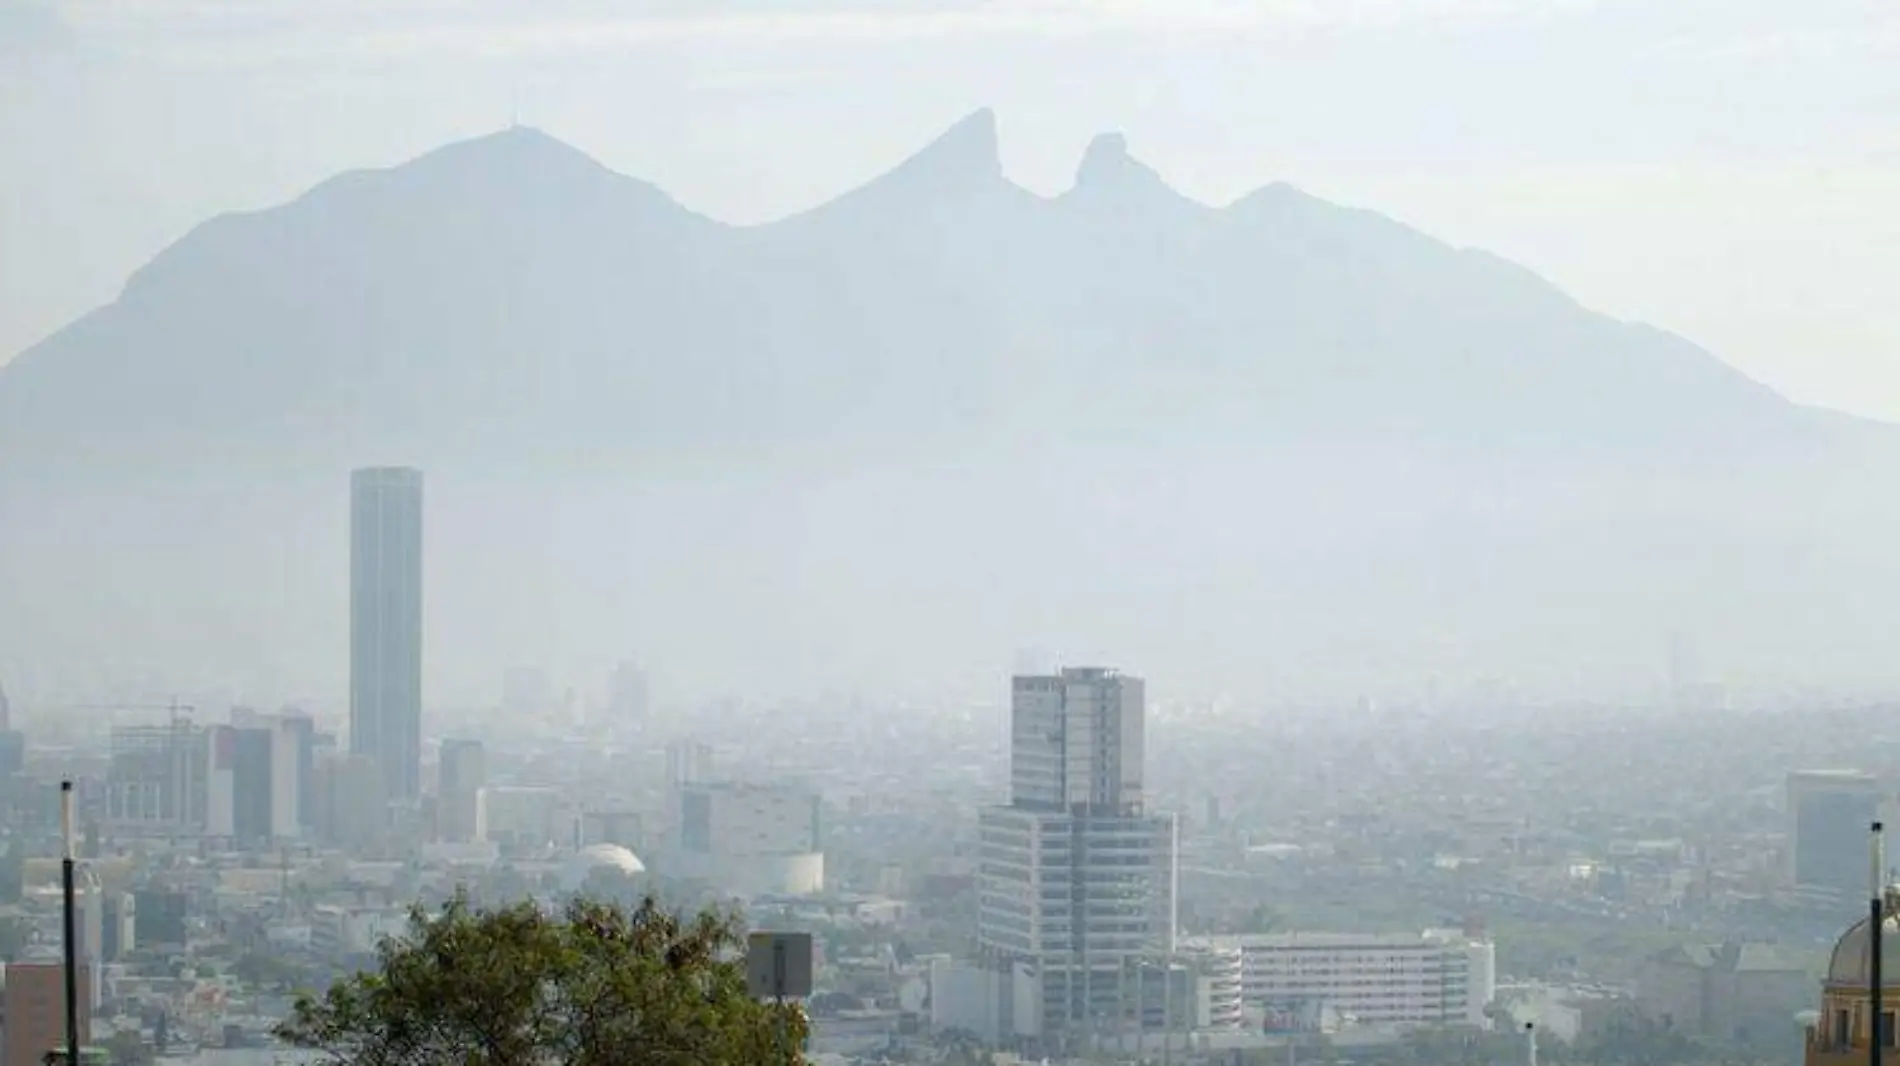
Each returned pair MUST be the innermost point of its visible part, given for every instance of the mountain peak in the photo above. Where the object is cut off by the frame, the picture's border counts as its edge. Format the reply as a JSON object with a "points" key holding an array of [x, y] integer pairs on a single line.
{"points": [[514, 148], [1108, 167], [967, 149], [966, 152], [962, 159], [1105, 159]]}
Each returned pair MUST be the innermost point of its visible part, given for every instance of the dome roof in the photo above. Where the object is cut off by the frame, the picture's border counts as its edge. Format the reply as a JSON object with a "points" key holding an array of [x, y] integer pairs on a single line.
{"points": [[1848, 964], [593, 857]]}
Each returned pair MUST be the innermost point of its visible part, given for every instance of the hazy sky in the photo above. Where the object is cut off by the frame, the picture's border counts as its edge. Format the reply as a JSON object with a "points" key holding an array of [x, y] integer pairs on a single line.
{"points": [[1726, 168]]}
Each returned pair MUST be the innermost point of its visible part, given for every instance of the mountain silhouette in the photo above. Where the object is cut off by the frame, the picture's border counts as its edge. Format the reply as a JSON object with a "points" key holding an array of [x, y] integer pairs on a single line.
{"points": [[909, 429]]}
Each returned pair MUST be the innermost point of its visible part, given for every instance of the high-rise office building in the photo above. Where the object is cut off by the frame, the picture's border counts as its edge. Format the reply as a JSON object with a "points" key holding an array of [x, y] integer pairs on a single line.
{"points": [[461, 775], [1829, 813], [251, 784], [1076, 887], [264, 756], [386, 624]]}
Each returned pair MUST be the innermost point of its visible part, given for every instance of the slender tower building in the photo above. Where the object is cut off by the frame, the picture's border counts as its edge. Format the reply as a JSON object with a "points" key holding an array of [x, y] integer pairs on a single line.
{"points": [[386, 623]]}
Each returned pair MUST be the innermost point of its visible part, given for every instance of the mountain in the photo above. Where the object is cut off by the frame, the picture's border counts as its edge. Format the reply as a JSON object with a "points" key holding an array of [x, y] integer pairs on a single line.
{"points": [[1279, 445]]}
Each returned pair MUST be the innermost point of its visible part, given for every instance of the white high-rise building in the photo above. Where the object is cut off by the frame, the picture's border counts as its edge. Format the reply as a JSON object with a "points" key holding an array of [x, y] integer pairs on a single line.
{"points": [[1312, 981], [1076, 887]]}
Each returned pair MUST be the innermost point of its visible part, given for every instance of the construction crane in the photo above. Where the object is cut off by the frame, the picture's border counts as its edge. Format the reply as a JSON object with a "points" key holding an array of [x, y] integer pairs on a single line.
{"points": [[176, 712]]}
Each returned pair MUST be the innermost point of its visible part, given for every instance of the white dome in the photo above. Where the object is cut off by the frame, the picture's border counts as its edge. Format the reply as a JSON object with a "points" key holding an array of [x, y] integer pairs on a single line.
{"points": [[599, 857]]}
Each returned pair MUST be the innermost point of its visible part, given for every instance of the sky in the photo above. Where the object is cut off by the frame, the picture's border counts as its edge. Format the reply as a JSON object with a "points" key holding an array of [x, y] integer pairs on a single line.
{"points": [[1722, 168]]}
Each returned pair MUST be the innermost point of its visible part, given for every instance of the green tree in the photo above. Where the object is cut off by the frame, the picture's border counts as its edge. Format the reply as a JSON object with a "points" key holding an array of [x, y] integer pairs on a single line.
{"points": [[597, 985]]}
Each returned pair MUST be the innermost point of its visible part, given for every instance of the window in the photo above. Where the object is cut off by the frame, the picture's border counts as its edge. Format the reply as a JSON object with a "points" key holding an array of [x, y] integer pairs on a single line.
{"points": [[1842, 1029]]}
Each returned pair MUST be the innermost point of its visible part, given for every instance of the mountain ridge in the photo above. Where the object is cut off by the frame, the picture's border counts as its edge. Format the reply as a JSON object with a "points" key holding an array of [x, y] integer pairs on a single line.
{"points": [[931, 416]]}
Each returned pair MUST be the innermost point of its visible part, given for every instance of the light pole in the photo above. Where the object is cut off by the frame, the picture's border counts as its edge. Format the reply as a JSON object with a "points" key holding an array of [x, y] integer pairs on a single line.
{"points": [[72, 940], [1876, 918]]}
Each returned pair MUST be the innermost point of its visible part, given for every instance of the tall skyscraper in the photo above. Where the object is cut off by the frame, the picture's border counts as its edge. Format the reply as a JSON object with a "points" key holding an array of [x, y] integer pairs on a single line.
{"points": [[386, 623], [1076, 889]]}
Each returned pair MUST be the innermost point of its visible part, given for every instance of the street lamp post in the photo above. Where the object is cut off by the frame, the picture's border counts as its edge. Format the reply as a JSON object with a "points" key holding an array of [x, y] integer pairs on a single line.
{"points": [[72, 939], [1876, 920]]}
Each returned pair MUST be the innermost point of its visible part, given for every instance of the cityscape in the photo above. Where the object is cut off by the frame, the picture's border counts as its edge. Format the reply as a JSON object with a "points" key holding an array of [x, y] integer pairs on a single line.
{"points": [[1075, 869], [949, 533]]}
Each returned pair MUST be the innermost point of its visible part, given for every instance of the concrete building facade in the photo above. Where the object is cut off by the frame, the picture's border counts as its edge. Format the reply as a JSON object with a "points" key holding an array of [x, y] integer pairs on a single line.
{"points": [[1299, 981], [1076, 884]]}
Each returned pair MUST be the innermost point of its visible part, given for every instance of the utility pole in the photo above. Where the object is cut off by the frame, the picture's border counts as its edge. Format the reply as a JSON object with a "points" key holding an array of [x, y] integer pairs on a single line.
{"points": [[72, 941], [1876, 919]]}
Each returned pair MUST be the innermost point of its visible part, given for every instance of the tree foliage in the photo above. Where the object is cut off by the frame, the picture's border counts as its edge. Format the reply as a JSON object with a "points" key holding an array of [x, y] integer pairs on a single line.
{"points": [[599, 984]]}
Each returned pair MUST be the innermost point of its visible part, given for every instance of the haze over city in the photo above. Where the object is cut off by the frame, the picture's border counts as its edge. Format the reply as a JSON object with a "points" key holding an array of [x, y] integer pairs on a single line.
{"points": [[852, 462]]}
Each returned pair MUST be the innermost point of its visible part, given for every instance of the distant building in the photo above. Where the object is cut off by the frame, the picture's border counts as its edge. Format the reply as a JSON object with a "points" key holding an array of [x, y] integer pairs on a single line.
{"points": [[267, 759], [12, 752], [688, 762], [1733, 992], [1829, 812], [751, 839], [462, 773], [303, 741], [36, 1012], [1076, 889], [120, 932], [160, 919], [12, 741], [1308, 981], [157, 780], [386, 624], [627, 699], [357, 801], [521, 817], [221, 796], [623, 827]]}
